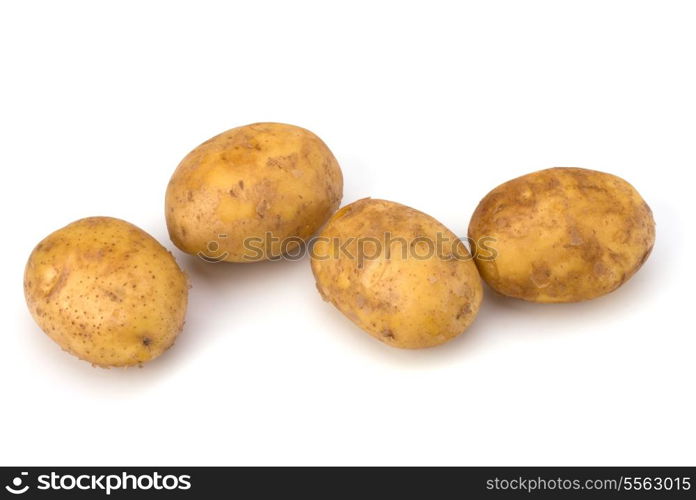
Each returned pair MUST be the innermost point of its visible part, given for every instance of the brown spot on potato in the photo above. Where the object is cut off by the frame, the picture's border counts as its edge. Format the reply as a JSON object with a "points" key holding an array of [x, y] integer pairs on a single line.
{"points": [[59, 284], [262, 207], [286, 163], [94, 254], [600, 269], [388, 334], [463, 311], [112, 295]]}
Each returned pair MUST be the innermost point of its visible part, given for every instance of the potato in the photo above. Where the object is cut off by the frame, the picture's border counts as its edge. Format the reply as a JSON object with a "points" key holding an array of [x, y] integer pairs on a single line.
{"points": [[106, 291], [561, 235], [252, 193], [397, 273]]}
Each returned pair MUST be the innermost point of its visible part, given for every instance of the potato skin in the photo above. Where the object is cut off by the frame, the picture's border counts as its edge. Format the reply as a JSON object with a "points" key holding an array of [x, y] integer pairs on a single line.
{"points": [[398, 298], [106, 292], [562, 235], [250, 182]]}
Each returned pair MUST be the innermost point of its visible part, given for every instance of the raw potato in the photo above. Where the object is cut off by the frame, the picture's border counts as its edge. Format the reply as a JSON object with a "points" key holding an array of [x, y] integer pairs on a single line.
{"points": [[403, 298], [259, 182], [562, 235], [106, 291]]}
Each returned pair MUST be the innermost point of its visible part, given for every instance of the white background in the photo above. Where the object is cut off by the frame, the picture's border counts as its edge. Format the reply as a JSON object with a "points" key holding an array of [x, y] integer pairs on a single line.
{"points": [[431, 104]]}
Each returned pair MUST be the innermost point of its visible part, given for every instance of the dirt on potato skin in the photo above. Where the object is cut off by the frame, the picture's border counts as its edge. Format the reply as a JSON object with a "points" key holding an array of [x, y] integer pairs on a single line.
{"points": [[402, 298], [107, 292], [249, 183], [563, 235]]}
